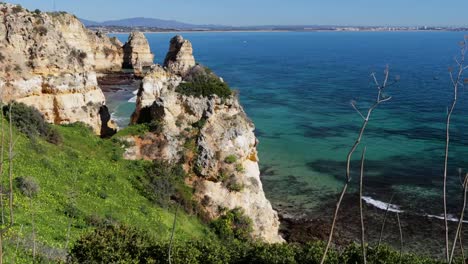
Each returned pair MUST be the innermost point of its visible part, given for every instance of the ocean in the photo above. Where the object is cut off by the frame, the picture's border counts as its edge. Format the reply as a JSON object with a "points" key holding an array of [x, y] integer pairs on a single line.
{"points": [[297, 87]]}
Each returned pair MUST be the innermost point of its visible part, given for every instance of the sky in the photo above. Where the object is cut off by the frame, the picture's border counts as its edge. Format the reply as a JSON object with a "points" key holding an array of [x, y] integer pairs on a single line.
{"points": [[269, 12]]}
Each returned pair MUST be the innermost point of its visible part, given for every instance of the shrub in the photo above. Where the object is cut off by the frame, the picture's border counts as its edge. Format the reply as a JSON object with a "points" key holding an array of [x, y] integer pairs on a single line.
{"points": [[233, 225], [27, 186], [37, 12], [199, 124], [164, 182], [77, 55], [111, 244], [239, 167], [41, 30], [230, 159], [262, 253], [30, 121], [108, 51], [120, 244], [16, 9], [202, 83]]}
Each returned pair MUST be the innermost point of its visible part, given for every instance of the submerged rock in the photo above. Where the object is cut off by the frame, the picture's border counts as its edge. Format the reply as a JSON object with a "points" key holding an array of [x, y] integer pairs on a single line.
{"points": [[211, 136], [137, 53], [49, 61]]}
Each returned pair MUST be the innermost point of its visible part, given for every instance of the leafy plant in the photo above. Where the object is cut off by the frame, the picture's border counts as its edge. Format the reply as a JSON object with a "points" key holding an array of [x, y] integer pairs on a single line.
{"points": [[233, 225], [31, 122], [230, 159], [203, 83]]}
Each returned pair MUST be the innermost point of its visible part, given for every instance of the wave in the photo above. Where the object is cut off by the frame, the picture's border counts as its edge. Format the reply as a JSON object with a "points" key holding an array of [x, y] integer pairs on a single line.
{"points": [[135, 92], [450, 218], [132, 100], [396, 209], [382, 205]]}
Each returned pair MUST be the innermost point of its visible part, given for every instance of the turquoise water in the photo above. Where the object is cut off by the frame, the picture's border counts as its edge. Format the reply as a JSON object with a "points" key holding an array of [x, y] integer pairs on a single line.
{"points": [[297, 89]]}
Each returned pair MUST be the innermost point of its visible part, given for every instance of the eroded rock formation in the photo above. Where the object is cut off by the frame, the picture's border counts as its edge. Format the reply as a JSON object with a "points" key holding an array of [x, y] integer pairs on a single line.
{"points": [[137, 53], [211, 136], [49, 60], [179, 60]]}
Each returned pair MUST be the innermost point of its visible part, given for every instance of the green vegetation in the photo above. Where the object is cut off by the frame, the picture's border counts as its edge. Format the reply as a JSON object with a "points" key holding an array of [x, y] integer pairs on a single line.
{"points": [[233, 225], [203, 83], [41, 30], [199, 124], [163, 184], [82, 186], [239, 167], [126, 245], [30, 121], [230, 159], [17, 9], [77, 55], [133, 130]]}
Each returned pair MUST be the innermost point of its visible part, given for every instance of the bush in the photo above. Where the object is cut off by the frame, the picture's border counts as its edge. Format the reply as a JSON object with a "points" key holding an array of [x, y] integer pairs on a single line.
{"points": [[16, 9], [77, 55], [37, 12], [30, 121], [233, 225], [202, 83], [120, 244], [27, 186], [41, 30], [111, 244], [163, 183], [230, 159]]}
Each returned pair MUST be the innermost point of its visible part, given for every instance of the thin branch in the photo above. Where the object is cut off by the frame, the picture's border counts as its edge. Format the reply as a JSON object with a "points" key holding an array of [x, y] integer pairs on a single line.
{"points": [[172, 234], [460, 221], [348, 164], [10, 164], [357, 110], [384, 220], [455, 84], [401, 235], [363, 232]]}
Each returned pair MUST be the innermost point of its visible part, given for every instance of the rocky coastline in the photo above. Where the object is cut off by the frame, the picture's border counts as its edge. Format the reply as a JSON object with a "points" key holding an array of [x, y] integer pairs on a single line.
{"points": [[52, 62]]}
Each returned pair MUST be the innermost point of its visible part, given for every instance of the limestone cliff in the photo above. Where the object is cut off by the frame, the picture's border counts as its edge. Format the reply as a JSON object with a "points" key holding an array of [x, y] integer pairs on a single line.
{"points": [[179, 59], [210, 135], [49, 60], [137, 53]]}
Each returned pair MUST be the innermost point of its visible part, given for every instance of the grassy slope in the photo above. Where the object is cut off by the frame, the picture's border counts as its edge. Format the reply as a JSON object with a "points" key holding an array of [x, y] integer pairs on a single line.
{"points": [[85, 173]]}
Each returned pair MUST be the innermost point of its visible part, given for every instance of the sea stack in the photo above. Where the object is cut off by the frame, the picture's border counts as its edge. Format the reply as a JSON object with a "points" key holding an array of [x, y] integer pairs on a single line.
{"points": [[137, 53], [179, 60], [210, 135]]}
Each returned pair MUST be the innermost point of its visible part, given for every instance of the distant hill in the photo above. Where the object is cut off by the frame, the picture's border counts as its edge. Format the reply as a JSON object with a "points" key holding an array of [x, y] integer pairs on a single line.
{"points": [[147, 22]]}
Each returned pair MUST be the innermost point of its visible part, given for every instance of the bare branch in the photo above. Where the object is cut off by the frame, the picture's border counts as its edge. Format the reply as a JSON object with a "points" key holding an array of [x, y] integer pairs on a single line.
{"points": [[401, 234], [460, 221], [455, 85], [348, 164], [172, 234], [363, 232], [384, 220], [353, 104]]}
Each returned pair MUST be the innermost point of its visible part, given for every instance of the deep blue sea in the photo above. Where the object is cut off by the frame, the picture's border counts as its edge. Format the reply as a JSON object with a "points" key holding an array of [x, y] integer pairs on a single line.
{"points": [[297, 88]]}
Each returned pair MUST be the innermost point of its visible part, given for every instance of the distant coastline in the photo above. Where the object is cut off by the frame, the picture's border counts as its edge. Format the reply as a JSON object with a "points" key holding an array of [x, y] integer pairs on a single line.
{"points": [[126, 29]]}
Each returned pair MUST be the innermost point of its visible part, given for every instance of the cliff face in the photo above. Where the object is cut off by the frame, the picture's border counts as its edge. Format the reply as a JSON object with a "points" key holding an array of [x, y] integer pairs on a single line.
{"points": [[137, 53], [179, 60], [211, 136], [49, 60]]}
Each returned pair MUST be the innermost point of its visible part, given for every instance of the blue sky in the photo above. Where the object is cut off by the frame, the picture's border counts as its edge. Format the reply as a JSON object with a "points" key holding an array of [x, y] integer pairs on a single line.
{"points": [[270, 12]]}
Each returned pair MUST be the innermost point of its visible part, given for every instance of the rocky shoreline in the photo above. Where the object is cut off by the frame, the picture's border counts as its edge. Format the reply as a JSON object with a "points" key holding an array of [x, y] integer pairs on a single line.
{"points": [[64, 69]]}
